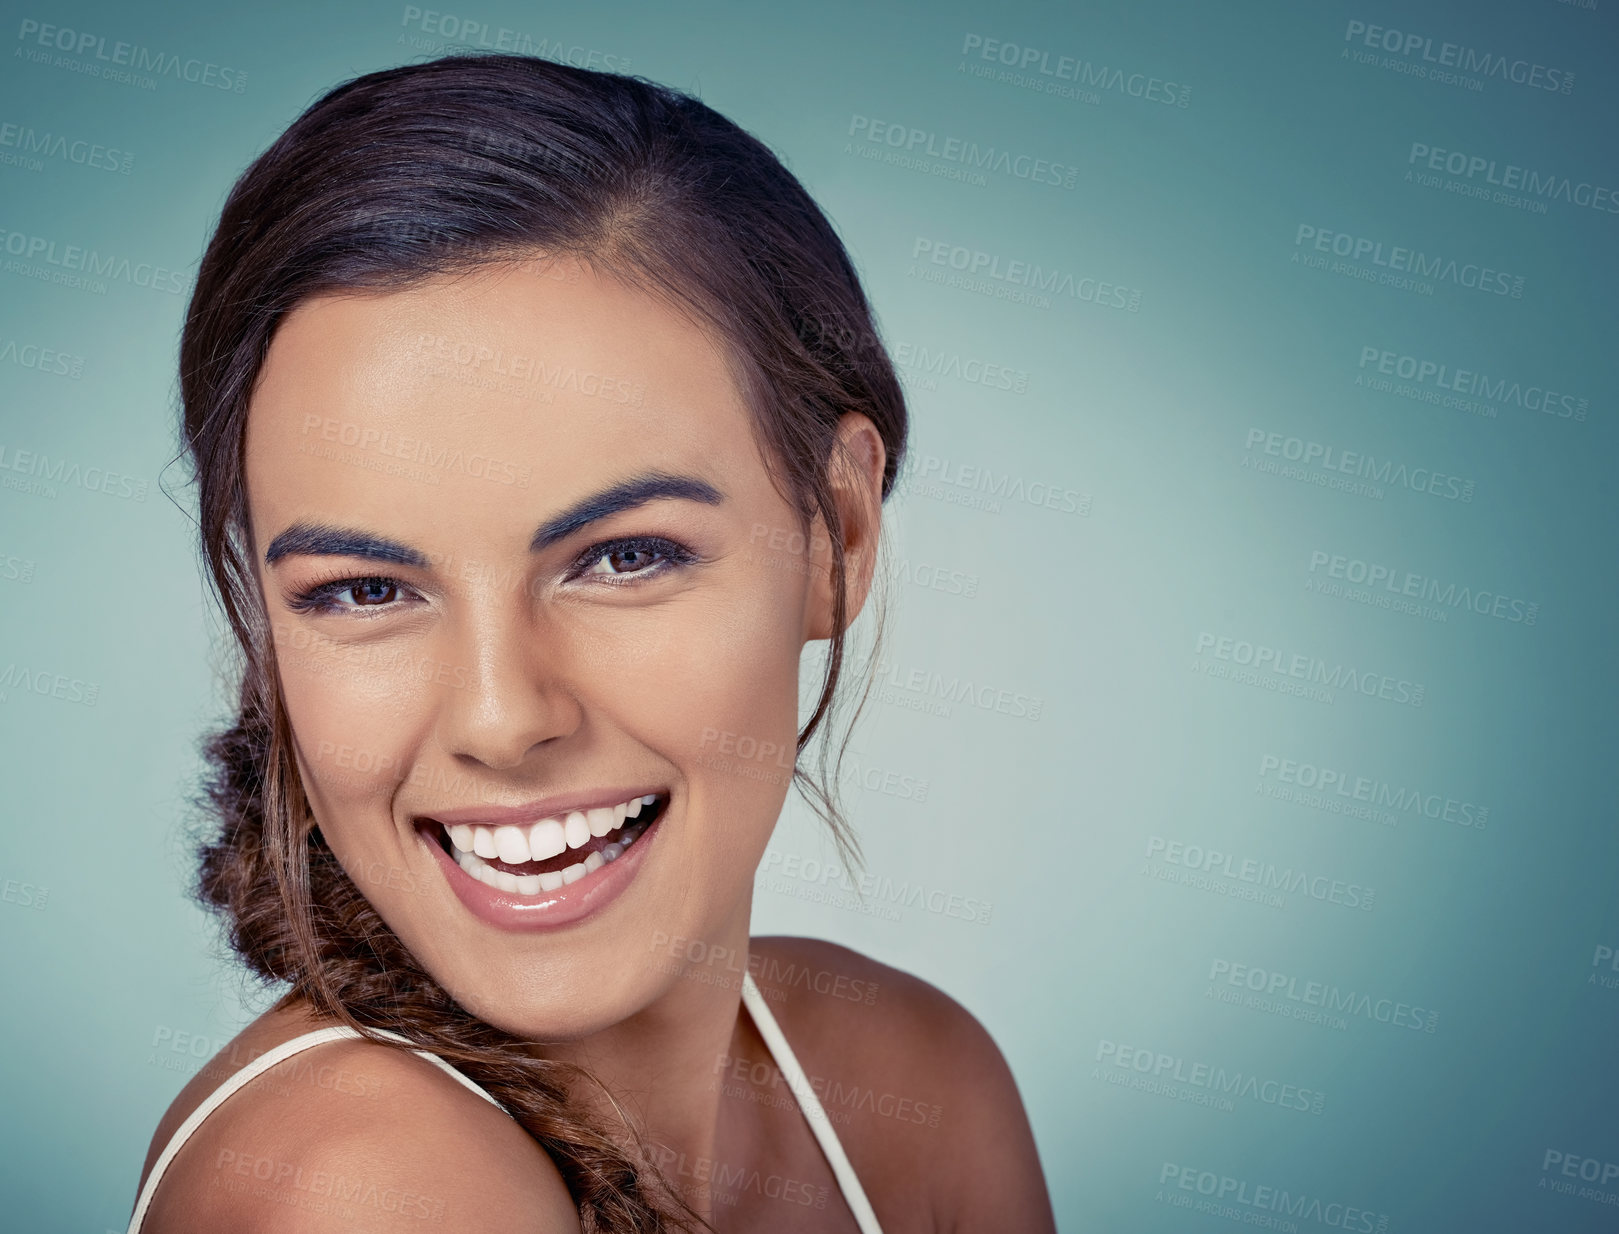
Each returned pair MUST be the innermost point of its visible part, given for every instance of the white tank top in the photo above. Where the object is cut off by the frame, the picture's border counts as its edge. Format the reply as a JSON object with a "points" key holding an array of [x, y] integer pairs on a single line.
{"points": [[786, 1060]]}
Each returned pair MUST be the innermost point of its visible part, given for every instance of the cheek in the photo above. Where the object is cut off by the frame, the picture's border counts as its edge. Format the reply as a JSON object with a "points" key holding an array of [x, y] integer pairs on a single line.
{"points": [[731, 706], [353, 712], [726, 665]]}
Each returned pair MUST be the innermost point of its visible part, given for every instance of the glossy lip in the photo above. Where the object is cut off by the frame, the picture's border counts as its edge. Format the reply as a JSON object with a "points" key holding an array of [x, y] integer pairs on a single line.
{"points": [[534, 811], [570, 903]]}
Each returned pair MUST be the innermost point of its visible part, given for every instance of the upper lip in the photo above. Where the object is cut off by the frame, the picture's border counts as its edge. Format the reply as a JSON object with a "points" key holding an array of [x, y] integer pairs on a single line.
{"points": [[533, 811]]}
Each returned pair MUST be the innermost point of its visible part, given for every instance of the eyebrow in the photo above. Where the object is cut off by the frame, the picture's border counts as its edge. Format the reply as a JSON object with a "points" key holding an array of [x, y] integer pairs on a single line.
{"points": [[321, 540], [650, 486]]}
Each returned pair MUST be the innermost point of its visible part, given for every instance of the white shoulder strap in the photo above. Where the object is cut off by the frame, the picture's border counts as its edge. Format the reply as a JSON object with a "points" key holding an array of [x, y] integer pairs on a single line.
{"points": [[797, 1081], [810, 1104], [247, 1075]]}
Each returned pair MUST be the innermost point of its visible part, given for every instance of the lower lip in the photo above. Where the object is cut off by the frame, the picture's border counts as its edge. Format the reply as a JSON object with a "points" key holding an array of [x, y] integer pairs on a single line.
{"points": [[568, 904]]}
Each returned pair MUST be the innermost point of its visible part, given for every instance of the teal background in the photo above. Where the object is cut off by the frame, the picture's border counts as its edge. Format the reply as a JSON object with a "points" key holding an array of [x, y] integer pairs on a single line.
{"points": [[1057, 828]]}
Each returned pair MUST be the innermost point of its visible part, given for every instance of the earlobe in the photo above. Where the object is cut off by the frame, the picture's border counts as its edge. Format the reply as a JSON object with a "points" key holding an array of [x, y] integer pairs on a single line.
{"points": [[855, 476]]}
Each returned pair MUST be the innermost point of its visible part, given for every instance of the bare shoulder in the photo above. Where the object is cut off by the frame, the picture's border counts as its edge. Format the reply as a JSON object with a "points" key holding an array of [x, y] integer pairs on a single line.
{"points": [[349, 1135], [830, 992], [926, 1090]]}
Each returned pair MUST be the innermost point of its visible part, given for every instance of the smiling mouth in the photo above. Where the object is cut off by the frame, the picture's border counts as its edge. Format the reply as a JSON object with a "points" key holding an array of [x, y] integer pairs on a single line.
{"points": [[540, 857]]}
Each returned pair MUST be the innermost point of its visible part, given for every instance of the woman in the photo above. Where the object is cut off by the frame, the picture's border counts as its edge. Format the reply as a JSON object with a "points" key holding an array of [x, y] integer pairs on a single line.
{"points": [[511, 388]]}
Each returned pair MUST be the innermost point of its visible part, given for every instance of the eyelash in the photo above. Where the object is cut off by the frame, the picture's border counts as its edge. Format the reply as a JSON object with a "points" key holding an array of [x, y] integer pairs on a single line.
{"points": [[321, 597]]}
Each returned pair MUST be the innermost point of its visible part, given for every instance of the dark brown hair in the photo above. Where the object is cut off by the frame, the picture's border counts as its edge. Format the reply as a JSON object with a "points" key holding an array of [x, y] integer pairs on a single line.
{"points": [[433, 168]]}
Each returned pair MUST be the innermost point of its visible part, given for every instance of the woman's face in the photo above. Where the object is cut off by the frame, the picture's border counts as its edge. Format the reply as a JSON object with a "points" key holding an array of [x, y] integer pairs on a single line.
{"points": [[525, 568]]}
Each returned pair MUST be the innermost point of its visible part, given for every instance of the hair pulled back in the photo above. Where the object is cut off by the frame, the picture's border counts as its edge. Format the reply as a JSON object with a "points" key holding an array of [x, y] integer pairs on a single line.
{"points": [[396, 177]]}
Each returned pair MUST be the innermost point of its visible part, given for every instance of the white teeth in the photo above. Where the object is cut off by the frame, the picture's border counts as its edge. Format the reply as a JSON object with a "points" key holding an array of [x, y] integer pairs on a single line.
{"points": [[546, 839], [535, 884], [576, 829], [473, 846], [511, 844]]}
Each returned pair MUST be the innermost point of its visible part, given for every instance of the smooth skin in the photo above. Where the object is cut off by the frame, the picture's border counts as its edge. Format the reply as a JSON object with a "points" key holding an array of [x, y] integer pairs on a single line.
{"points": [[453, 419]]}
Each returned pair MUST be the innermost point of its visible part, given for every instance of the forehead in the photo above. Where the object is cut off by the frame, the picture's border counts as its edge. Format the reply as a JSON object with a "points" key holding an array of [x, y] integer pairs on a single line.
{"points": [[532, 382]]}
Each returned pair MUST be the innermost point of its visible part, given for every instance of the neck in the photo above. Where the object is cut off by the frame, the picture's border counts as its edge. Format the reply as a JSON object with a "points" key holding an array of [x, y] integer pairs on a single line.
{"points": [[663, 1067]]}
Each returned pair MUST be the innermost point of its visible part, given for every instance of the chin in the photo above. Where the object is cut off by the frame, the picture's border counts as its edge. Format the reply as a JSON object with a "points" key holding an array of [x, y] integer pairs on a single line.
{"points": [[559, 960]]}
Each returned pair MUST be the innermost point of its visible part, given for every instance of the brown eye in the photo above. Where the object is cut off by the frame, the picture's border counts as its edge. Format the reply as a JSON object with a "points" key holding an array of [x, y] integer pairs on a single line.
{"points": [[652, 556], [374, 591], [628, 560], [345, 595]]}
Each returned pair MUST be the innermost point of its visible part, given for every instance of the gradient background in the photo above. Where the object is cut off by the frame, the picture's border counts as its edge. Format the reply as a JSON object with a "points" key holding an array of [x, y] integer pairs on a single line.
{"points": [[1098, 939]]}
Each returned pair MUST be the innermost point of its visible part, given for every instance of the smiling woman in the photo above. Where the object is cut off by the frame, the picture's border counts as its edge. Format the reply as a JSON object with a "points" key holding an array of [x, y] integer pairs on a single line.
{"points": [[498, 377]]}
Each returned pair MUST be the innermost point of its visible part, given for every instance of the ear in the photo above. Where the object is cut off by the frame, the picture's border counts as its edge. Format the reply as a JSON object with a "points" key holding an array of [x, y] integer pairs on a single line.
{"points": [[856, 479]]}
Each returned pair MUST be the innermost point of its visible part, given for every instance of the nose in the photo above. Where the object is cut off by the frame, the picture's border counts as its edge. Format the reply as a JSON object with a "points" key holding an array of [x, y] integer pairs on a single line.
{"points": [[505, 696]]}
